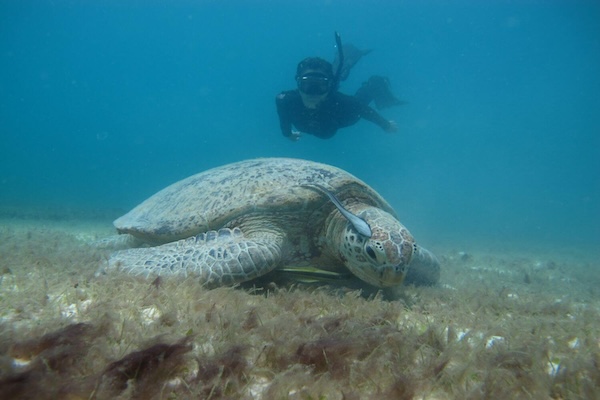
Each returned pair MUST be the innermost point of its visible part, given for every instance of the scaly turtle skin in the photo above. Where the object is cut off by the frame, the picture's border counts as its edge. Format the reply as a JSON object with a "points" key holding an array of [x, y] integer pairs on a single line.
{"points": [[240, 221]]}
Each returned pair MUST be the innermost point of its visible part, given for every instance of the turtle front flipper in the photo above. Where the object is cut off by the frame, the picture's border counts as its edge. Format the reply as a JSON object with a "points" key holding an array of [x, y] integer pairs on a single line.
{"points": [[217, 258]]}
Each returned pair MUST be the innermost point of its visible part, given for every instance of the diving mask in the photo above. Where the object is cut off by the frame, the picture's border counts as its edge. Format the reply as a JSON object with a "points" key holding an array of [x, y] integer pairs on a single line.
{"points": [[314, 84]]}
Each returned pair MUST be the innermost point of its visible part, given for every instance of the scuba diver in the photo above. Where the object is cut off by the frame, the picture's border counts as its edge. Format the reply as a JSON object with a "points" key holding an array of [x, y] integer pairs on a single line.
{"points": [[317, 107]]}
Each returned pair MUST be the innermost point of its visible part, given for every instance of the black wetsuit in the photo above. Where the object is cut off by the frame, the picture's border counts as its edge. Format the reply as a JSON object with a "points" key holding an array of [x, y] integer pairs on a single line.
{"points": [[337, 111]]}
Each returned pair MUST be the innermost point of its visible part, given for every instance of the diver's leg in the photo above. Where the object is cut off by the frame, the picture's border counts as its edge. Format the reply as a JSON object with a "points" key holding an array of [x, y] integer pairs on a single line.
{"points": [[364, 93], [377, 89]]}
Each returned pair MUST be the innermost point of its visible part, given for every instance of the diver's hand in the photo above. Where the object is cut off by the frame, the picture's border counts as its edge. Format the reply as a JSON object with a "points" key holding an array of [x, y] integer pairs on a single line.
{"points": [[392, 127], [294, 136]]}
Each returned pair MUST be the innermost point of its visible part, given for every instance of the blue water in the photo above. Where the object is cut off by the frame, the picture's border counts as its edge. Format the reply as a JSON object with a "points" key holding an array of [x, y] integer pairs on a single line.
{"points": [[102, 105]]}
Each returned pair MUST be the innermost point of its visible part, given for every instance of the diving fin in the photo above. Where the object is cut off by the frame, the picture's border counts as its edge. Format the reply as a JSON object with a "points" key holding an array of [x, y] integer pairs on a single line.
{"points": [[351, 55]]}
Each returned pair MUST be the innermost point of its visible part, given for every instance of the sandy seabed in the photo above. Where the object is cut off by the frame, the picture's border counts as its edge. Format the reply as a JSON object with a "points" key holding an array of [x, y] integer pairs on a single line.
{"points": [[500, 325]]}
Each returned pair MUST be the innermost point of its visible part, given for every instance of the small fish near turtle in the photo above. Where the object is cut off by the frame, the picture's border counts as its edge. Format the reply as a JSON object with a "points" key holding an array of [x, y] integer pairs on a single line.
{"points": [[241, 221]]}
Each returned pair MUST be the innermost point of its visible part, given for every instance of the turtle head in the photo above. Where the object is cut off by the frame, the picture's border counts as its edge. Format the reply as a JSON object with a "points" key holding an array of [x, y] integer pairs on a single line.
{"points": [[381, 260]]}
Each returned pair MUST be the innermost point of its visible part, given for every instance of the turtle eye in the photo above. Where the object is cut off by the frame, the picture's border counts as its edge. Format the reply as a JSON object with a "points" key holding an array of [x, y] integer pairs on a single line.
{"points": [[370, 252]]}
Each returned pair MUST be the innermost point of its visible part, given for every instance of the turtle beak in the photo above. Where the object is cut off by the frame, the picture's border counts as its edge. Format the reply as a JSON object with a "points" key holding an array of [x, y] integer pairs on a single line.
{"points": [[393, 275]]}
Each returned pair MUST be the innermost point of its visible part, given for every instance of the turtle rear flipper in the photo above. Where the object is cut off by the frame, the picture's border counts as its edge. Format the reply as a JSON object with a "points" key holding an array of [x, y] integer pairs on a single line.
{"points": [[217, 258]]}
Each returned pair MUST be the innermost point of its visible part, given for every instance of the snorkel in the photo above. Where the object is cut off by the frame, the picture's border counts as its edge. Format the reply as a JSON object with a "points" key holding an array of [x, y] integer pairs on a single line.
{"points": [[338, 72]]}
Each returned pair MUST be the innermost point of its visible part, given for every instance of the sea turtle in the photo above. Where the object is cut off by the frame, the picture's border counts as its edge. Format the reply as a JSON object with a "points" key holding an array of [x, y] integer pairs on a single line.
{"points": [[240, 221]]}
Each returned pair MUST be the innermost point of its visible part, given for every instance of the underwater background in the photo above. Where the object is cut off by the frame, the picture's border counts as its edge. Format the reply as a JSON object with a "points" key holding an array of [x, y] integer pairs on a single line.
{"points": [[104, 103], [495, 169]]}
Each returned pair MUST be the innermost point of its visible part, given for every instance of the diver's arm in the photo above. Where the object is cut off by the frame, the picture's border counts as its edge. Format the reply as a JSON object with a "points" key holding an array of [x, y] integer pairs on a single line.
{"points": [[285, 110], [370, 114], [285, 122]]}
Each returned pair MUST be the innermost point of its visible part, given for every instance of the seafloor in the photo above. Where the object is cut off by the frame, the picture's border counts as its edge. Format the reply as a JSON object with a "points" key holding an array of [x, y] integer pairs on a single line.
{"points": [[502, 324]]}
